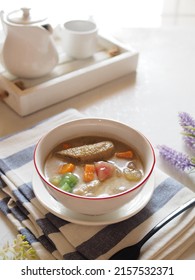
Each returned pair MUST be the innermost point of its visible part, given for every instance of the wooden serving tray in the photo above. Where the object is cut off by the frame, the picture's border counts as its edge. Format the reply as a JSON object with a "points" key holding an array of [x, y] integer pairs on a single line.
{"points": [[69, 78]]}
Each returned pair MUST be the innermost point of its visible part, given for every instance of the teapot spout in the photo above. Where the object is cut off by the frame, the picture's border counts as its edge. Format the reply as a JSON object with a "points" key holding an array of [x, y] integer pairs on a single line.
{"points": [[1, 16], [2, 20]]}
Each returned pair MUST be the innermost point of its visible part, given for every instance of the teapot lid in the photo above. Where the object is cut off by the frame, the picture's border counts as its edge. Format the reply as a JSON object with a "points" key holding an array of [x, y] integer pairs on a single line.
{"points": [[23, 16]]}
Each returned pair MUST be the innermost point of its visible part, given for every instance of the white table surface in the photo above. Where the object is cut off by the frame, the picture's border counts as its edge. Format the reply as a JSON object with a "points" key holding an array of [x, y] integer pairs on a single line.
{"points": [[148, 100]]}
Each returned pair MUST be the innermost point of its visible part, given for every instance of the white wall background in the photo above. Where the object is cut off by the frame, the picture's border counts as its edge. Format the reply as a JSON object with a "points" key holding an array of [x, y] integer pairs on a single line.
{"points": [[111, 13]]}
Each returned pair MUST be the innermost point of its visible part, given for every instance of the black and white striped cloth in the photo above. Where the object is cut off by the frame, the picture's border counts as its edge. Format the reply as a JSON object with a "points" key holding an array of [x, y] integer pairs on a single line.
{"points": [[55, 238]]}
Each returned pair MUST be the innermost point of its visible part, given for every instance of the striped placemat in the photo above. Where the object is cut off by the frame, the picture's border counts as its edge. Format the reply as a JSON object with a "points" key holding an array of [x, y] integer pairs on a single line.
{"points": [[55, 238]]}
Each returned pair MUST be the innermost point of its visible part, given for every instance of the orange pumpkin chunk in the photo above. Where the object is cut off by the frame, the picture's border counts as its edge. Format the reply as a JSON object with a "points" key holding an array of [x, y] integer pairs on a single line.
{"points": [[89, 172]]}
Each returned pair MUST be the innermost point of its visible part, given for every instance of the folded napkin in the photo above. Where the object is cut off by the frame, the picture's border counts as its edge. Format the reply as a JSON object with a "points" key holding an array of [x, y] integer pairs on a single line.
{"points": [[55, 238]]}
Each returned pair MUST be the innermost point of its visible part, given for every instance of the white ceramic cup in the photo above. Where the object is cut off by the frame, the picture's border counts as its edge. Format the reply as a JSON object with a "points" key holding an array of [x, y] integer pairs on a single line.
{"points": [[80, 38]]}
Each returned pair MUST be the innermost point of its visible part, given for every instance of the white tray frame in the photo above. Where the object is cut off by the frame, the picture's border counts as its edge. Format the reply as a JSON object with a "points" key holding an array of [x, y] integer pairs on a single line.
{"points": [[46, 92]]}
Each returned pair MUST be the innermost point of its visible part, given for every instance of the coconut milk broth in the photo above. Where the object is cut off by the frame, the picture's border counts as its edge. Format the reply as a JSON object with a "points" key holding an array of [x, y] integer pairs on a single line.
{"points": [[113, 185]]}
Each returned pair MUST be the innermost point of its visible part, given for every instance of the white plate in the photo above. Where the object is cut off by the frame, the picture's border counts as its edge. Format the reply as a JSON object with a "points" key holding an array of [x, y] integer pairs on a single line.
{"points": [[123, 213]]}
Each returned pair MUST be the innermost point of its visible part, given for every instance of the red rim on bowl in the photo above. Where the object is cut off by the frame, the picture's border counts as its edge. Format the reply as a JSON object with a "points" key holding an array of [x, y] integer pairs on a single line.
{"points": [[97, 198]]}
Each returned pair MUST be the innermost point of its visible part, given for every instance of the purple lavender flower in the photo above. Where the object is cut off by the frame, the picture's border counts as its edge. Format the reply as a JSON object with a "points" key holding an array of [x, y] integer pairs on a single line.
{"points": [[177, 159], [186, 119], [188, 125]]}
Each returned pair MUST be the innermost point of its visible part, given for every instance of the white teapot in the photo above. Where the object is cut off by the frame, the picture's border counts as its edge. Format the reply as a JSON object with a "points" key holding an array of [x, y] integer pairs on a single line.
{"points": [[28, 50]]}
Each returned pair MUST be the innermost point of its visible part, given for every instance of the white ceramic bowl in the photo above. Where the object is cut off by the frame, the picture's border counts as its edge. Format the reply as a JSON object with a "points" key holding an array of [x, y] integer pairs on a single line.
{"points": [[94, 127]]}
